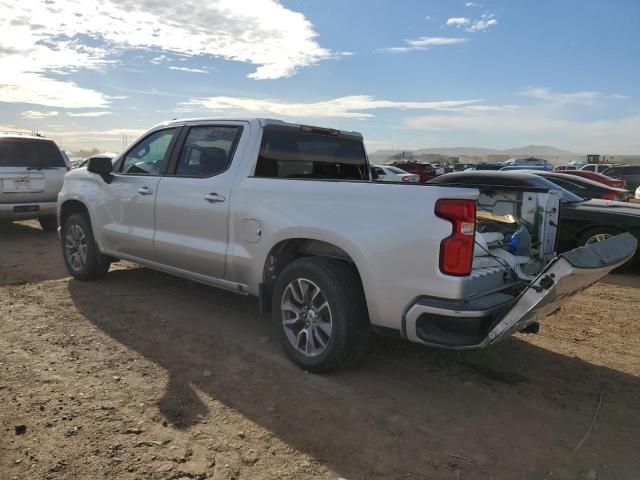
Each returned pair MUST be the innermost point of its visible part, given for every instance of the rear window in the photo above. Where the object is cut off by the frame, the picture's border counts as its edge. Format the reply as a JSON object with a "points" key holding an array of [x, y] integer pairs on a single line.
{"points": [[26, 152], [290, 152], [396, 170]]}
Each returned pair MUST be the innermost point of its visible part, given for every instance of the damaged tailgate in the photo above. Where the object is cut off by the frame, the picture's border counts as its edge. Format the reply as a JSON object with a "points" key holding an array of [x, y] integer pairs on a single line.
{"points": [[566, 275]]}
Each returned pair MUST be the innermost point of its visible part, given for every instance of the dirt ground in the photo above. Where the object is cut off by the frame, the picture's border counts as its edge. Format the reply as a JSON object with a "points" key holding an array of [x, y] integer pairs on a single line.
{"points": [[146, 376]]}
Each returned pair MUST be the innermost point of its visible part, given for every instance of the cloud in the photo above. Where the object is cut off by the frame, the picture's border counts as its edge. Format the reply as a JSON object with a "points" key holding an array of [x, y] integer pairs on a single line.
{"points": [[540, 123], [264, 33], [187, 69], [485, 21], [423, 43], [458, 21], [472, 4], [352, 106], [89, 114], [566, 98], [35, 115]]}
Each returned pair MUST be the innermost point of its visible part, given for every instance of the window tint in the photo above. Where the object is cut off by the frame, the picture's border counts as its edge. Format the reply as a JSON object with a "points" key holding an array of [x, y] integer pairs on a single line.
{"points": [[378, 171], [207, 151], [289, 152], [589, 168], [149, 156], [31, 153], [633, 171], [612, 171]]}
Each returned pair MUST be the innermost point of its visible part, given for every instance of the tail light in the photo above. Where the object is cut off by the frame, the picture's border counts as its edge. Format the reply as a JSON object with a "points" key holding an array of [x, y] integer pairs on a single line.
{"points": [[456, 251], [405, 178]]}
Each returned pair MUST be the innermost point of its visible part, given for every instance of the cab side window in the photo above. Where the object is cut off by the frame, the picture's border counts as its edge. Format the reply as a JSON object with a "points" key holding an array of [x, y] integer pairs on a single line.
{"points": [[149, 156], [207, 150]]}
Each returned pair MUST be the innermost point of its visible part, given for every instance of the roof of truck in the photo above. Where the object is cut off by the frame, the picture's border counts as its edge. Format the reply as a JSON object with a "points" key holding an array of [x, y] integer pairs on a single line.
{"points": [[27, 136], [263, 122]]}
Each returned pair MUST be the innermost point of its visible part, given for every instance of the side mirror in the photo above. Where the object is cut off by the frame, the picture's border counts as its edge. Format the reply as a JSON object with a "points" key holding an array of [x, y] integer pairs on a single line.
{"points": [[102, 166]]}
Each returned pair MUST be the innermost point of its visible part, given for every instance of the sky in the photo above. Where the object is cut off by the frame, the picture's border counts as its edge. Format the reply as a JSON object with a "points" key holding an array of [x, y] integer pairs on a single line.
{"points": [[408, 74]]}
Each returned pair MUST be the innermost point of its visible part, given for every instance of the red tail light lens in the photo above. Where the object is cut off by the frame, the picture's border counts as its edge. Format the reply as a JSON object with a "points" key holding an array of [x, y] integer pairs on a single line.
{"points": [[456, 251], [405, 178]]}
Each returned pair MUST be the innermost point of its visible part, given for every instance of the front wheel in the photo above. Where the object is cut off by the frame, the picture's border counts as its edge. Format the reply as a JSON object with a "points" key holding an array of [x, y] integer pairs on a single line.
{"points": [[320, 315], [81, 255]]}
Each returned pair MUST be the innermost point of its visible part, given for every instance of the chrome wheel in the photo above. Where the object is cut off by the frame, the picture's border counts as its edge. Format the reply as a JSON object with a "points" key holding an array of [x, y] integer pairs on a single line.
{"points": [[76, 247], [598, 237], [306, 317]]}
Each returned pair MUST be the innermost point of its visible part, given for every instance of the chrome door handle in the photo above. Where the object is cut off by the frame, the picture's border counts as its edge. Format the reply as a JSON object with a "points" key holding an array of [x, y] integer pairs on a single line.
{"points": [[214, 198], [145, 191]]}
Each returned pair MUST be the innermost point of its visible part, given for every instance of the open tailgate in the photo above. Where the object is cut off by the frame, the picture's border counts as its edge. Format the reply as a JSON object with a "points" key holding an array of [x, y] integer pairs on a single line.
{"points": [[566, 275]]}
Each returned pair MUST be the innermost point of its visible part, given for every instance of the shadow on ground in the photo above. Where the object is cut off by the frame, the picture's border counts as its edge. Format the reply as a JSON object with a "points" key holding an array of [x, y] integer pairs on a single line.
{"points": [[28, 254], [404, 410]]}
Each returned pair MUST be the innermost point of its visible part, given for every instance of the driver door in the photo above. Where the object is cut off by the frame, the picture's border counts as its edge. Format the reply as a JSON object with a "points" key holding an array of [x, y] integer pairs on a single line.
{"points": [[128, 207]]}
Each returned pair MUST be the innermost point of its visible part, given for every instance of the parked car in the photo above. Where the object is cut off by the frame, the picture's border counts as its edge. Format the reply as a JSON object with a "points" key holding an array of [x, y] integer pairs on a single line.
{"points": [[389, 173], [424, 170], [597, 177], [597, 167], [288, 213], [564, 168], [630, 174], [582, 222], [32, 169], [512, 168], [529, 162], [637, 195], [438, 168], [586, 188], [485, 166]]}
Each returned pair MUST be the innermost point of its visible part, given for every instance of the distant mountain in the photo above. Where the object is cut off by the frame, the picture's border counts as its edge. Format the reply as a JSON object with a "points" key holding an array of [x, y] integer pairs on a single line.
{"points": [[529, 150]]}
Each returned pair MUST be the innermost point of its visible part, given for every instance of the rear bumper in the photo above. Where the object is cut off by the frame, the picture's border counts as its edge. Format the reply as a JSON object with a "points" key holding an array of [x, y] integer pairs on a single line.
{"points": [[24, 211], [477, 322]]}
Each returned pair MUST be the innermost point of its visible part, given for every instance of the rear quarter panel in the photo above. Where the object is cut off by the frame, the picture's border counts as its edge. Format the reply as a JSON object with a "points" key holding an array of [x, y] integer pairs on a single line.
{"points": [[389, 230]]}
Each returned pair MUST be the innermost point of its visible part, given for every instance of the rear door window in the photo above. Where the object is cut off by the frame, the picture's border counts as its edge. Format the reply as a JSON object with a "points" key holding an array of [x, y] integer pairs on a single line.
{"points": [[207, 150], [291, 152], [30, 153]]}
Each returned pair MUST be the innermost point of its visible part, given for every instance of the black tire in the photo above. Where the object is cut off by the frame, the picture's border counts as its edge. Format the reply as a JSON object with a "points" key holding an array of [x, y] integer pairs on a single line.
{"points": [[49, 223], [96, 265], [341, 287]]}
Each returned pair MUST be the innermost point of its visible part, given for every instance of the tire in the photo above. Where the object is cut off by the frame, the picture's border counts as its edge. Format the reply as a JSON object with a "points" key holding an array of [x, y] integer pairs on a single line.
{"points": [[49, 223], [77, 237], [340, 305]]}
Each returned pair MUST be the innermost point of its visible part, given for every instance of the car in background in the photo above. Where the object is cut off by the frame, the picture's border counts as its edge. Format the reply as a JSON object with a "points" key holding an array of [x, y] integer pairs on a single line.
{"points": [[637, 195], [32, 170], [581, 222], [512, 168], [565, 168], [485, 166], [584, 187], [439, 168], [597, 167], [529, 162], [596, 177], [424, 171], [389, 173], [630, 174]]}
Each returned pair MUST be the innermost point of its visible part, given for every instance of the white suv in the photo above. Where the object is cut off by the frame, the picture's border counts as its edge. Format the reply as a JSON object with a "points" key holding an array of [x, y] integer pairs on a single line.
{"points": [[32, 170]]}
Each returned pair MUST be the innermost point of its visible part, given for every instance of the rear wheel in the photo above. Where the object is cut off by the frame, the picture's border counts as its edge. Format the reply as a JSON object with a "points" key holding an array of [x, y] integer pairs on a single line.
{"points": [[49, 223], [81, 255], [320, 315]]}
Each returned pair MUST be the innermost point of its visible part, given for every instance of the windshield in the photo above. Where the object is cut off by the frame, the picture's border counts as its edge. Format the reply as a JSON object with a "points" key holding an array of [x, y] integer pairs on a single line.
{"points": [[30, 153]]}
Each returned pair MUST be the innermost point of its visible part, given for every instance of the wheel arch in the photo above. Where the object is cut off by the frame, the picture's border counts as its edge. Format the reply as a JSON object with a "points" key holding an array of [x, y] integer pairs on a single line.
{"points": [[70, 207], [286, 251], [584, 229]]}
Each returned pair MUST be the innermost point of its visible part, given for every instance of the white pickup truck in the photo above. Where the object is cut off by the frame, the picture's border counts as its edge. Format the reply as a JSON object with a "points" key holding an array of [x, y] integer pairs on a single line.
{"points": [[289, 213]]}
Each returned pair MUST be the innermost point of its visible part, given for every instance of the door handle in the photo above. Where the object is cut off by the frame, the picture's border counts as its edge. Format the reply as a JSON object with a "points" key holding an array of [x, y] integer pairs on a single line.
{"points": [[214, 198], [145, 191]]}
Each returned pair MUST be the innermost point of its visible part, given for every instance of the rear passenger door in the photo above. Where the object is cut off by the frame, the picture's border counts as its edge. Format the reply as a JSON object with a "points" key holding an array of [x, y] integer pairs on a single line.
{"points": [[192, 204]]}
